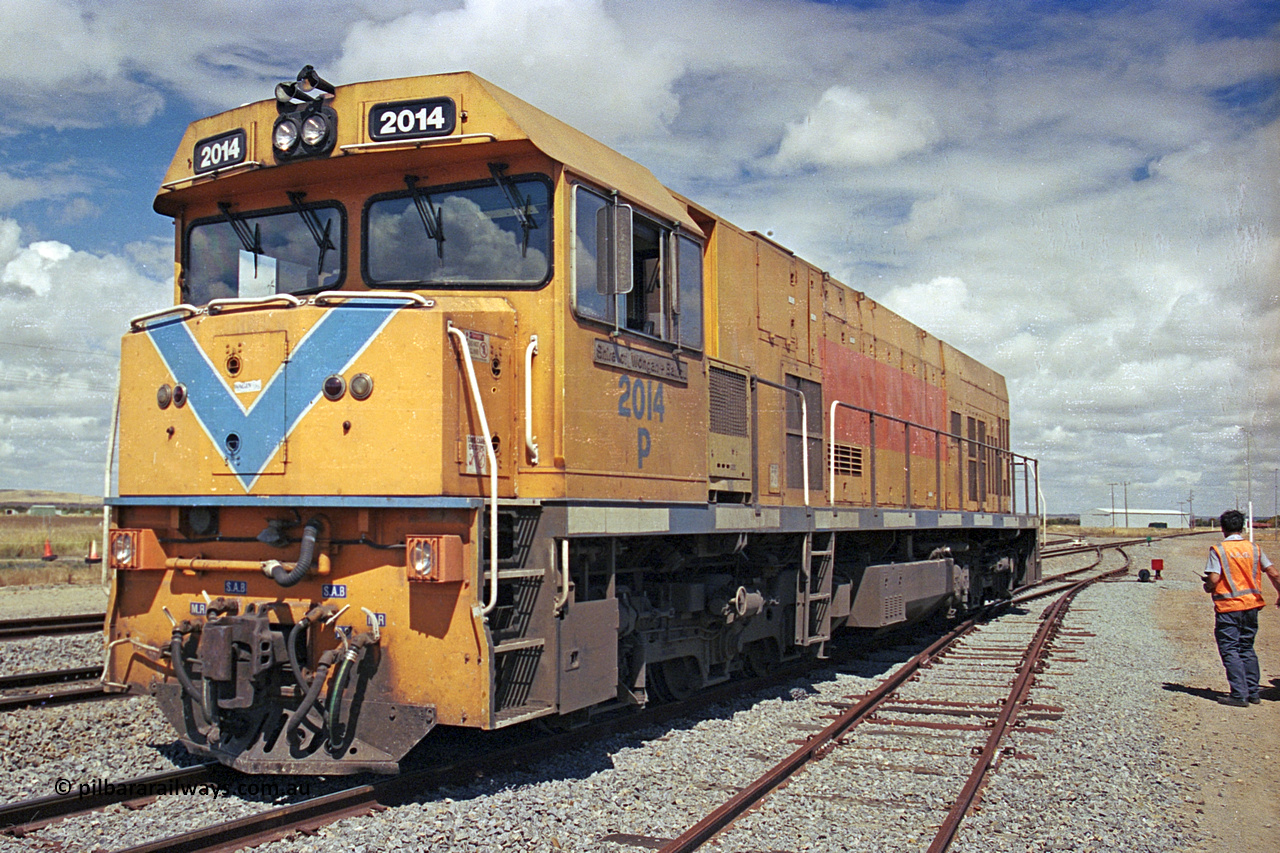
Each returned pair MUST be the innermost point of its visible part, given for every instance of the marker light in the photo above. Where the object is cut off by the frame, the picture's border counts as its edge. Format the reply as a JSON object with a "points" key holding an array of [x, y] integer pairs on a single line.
{"points": [[179, 395], [123, 549], [361, 386], [285, 135], [314, 131], [164, 396], [334, 387]]}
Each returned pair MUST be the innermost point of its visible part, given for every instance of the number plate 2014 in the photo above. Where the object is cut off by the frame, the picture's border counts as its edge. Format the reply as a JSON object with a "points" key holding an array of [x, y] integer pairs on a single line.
{"points": [[413, 119], [219, 152]]}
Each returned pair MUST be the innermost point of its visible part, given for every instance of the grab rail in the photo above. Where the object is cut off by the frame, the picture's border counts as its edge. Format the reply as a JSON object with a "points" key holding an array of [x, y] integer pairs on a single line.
{"points": [[1007, 457], [464, 353], [530, 443], [804, 427]]}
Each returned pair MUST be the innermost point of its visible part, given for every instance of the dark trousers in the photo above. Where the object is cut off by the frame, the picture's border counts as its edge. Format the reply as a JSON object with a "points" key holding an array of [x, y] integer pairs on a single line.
{"points": [[1235, 633]]}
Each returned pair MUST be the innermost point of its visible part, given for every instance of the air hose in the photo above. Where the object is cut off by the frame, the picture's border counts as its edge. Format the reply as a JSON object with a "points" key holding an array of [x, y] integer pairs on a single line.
{"points": [[286, 575], [334, 699], [180, 667], [313, 693]]}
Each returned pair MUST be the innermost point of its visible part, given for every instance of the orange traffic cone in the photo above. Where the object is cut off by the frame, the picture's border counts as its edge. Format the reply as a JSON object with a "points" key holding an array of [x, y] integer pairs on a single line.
{"points": [[93, 552], [48, 552]]}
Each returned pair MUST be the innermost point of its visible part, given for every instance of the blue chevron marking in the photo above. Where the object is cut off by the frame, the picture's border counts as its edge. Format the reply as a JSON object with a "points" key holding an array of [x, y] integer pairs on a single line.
{"points": [[331, 346]]}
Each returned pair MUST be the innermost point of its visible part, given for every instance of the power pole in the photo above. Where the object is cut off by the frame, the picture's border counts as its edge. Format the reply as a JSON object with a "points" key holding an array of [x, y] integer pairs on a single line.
{"points": [[1191, 507], [1126, 504], [1113, 504]]}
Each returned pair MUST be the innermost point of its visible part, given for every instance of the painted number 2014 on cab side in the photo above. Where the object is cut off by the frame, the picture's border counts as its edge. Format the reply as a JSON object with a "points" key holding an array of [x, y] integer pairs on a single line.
{"points": [[641, 399]]}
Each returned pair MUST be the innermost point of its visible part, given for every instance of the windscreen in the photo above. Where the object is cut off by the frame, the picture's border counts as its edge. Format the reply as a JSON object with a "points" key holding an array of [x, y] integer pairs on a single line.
{"points": [[260, 253], [486, 233]]}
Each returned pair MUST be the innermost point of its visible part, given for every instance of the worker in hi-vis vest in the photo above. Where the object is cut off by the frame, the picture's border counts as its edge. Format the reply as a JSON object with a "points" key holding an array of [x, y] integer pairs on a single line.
{"points": [[1233, 576]]}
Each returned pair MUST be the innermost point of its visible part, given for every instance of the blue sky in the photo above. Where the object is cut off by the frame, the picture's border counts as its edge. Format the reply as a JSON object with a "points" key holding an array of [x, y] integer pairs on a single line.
{"points": [[1081, 194]]}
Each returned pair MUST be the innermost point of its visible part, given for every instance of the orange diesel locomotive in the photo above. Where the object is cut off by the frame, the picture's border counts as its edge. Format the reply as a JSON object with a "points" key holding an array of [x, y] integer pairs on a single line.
{"points": [[462, 418]]}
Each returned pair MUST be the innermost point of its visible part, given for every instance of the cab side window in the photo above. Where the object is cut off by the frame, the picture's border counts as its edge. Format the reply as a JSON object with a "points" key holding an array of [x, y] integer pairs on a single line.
{"points": [[635, 273]]}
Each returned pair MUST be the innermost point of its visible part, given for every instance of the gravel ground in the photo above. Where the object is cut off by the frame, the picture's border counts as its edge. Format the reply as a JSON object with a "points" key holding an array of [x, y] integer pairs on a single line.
{"points": [[1107, 779], [21, 602]]}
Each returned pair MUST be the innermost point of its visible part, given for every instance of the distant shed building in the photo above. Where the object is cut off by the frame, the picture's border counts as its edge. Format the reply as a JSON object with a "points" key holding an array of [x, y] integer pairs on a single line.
{"points": [[1171, 518], [42, 509]]}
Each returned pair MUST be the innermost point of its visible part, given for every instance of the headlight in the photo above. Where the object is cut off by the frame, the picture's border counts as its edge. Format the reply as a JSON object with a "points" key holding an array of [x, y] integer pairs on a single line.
{"points": [[285, 136], [422, 560], [361, 386], [122, 549], [314, 131]]}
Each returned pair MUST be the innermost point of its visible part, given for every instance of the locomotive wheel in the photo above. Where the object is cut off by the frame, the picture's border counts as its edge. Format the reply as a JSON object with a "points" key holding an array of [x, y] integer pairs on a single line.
{"points": [[761, 657], [677, 678]]}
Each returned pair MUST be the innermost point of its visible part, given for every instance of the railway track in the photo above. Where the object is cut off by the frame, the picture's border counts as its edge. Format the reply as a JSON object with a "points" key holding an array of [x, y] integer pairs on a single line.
{"points": [[43, 626], [1057, 549], [1006, 668], [309, 814], [16, 691]]}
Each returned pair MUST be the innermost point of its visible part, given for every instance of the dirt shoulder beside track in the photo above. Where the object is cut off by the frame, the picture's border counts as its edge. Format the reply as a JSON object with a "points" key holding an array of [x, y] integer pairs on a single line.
{"points": [[1233, 753]]}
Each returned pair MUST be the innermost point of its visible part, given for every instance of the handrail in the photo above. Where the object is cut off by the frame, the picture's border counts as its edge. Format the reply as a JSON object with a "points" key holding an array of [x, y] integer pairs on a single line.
{"points": [[562, 594], [137, 322], [464, 353], [106, 488], [804, 429], [408, 295], [214, 173], [1014, 459], [216, 306], [530, 443], [415, 143]]}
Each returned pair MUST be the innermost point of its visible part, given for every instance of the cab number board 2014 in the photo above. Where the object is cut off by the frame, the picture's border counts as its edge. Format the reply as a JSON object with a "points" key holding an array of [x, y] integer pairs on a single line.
{"points": [[219, 152], [413, 119]]}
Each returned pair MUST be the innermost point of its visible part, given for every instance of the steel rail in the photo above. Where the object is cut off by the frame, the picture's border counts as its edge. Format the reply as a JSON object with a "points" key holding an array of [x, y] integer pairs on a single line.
{"points": [[1048, 553], [57, 676], [1032, 662], [826, 740], [27, 816], [40, 626], [58, 697], [816, 747]]}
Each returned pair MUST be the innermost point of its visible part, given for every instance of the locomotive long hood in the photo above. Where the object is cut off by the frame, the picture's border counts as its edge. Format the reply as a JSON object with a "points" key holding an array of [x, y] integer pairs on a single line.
{"points": [[233, 403]]}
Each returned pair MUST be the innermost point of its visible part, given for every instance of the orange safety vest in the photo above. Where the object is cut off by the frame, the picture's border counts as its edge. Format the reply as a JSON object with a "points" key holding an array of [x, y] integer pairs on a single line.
{"points": [[1240, 584]]}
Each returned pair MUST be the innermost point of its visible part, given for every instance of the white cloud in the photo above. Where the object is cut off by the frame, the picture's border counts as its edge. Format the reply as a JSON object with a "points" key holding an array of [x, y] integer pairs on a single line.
{"points": [[846, 128], [62, 313], [552, 51]]}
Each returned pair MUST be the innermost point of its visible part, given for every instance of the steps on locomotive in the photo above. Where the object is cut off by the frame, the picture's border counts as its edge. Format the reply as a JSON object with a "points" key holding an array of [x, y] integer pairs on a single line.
{"points": [[814, 590], [518, 648]]}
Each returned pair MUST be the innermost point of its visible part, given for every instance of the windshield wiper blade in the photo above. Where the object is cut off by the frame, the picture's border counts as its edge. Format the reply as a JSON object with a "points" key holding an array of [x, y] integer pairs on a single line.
{"points": [[521, 207], [312, 220], [432, 216], [251, 240]]}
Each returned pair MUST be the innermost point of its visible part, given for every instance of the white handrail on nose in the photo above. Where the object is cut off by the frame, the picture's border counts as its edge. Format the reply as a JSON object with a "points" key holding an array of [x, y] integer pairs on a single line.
{"points": [[465, 354], [530, 443]]}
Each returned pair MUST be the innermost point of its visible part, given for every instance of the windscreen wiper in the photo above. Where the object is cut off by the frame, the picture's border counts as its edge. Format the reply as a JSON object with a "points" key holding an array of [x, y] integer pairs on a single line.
{"points": [[432, 216], [521, 207], [312, 220], [250, 240]]}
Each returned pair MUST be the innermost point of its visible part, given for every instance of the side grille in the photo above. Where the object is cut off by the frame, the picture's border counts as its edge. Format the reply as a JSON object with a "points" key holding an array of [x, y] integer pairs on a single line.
{"points": [[848, 459], [728, 403]]}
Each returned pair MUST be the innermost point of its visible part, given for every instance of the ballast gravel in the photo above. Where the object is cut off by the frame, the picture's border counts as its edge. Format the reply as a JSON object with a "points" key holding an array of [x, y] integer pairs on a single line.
{"points": [[1106, 779]]}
